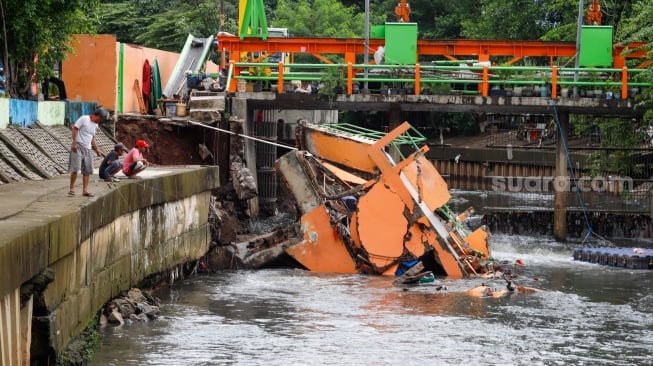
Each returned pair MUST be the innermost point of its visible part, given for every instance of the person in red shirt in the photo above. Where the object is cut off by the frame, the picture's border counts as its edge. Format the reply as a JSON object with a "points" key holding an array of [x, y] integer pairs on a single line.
{"points": [[134, 162]]}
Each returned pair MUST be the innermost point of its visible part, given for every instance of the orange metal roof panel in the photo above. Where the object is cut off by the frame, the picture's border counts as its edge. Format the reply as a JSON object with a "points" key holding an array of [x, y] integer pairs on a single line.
{"points": [[415, 244], [478, 241], [340, 150], [321, 250], [381, 224], [344, 175], [428, 182]]}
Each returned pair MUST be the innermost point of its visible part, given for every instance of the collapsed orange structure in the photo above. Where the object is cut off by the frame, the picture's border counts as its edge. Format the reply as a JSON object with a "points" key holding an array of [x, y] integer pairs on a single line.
{"points": [[366, 208]]}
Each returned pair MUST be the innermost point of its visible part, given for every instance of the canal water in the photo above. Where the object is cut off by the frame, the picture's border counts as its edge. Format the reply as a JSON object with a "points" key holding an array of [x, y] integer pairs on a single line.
{"points": [[585, 315]]}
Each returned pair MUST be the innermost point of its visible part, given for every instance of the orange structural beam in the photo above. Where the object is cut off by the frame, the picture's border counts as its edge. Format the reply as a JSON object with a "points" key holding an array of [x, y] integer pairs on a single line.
{"points": [[482, 49]]}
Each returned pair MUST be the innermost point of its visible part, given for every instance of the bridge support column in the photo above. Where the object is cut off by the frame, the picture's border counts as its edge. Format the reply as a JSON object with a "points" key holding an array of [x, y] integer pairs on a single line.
{"points": [[561, 181]]}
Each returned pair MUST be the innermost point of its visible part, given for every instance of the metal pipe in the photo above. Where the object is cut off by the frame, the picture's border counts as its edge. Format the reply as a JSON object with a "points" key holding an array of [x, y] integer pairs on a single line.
{"points": [[578, 31], [366, 54]]}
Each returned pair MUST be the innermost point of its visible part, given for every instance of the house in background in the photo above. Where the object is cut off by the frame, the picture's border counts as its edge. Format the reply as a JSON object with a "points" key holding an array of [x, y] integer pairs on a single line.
{"points": [[111, 73]]}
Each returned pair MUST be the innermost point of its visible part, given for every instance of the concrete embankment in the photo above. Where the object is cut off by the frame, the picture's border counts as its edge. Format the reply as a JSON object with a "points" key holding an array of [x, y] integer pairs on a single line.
{"points": [[62, 258]]}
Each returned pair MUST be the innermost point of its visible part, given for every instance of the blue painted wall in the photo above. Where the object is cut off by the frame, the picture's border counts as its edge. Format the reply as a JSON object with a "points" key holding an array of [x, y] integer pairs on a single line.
{"points": [[22, 112], [25, 112], [74, 110]]}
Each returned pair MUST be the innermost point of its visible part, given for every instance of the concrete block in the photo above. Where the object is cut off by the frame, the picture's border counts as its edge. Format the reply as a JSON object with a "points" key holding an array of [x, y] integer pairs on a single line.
{"points": [[51, 113], [101, 288], [99, 254], [63, 236], [4, 112], [83, 262], [214, 102], [65, 274], [120, 276]]}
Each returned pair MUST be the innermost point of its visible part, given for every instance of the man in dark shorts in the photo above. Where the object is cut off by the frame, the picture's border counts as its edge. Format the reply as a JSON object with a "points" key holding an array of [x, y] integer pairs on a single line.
{"points": [[112, 164]]}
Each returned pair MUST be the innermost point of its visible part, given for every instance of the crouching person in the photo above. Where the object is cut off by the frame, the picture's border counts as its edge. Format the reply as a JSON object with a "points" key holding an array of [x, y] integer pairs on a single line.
{"points": [[112, 164], [134, 161]]}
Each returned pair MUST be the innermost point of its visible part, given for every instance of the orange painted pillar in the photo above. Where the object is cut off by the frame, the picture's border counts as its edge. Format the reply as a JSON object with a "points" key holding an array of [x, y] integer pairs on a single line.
{"points": [[280, 78], [350, 78], [417, 79], [624, 82], [350, 59], [554, 82]]}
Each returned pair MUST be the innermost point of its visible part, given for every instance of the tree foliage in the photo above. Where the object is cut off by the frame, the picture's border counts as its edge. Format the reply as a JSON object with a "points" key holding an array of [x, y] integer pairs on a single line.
{"points": [[36, 35], [165, 24], [319, 18], [161, 24], [507, 19], [638, 27]]}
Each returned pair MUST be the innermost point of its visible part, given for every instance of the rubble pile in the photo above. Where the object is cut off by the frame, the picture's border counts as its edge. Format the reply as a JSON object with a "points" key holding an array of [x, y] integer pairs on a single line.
{"points": [[132, 305]]}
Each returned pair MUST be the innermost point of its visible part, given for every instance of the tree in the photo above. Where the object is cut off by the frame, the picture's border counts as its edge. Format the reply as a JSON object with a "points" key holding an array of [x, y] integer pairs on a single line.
{"points": [[119, 19], [639, 28], [164, 24], [319, 18], [36, 36], [507, 20], [448, 17]]}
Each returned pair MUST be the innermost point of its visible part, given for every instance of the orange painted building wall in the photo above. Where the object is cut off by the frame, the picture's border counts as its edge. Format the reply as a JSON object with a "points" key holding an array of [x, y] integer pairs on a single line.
{"points": [[91, 72], [135, 57]]}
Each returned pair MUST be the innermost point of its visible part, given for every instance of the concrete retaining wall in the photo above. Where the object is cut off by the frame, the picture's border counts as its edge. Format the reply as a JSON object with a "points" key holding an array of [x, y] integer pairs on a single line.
{"points": [[98, 249]]}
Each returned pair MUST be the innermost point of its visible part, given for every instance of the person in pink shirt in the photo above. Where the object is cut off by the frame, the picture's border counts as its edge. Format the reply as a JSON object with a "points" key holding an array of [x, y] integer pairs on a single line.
{"points": [[134, 162]]}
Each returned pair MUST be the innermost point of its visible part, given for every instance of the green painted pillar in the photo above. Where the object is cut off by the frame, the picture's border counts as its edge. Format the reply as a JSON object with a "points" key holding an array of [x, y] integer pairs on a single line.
{"points": [[121, 72]]}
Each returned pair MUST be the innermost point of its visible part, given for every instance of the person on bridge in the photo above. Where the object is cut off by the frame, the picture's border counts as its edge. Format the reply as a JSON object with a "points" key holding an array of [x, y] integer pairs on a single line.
{"points": [[83, 143], [134, 161]]}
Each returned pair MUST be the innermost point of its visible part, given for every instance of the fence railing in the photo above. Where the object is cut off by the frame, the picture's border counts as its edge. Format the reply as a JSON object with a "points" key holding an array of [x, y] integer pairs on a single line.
{"points": [[550, 81]]}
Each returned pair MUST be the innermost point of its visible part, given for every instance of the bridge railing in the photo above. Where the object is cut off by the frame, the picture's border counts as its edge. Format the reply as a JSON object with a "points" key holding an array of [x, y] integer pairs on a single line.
{"points": [[547, 81]]}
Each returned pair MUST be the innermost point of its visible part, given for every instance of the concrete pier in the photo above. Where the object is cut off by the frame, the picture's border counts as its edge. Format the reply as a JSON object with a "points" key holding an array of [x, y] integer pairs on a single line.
{"points": [[62, 258]]}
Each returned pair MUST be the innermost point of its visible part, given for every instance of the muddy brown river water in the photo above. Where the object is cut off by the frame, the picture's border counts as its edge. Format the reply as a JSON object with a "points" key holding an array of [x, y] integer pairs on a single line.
{"points": [[585, 315]]}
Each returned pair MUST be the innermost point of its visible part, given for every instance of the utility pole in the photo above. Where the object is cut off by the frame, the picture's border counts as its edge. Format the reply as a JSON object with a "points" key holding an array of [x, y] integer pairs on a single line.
{"points": [[578, 31], [366, 54]]}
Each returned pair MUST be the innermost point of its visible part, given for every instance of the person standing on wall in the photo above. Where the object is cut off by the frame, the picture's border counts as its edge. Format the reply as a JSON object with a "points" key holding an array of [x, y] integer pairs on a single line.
{"points": [[83, 143], [134, 162]]}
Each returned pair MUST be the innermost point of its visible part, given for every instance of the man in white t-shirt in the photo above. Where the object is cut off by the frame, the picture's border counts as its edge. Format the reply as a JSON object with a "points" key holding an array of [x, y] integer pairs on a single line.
{"points": [[84, 142]]}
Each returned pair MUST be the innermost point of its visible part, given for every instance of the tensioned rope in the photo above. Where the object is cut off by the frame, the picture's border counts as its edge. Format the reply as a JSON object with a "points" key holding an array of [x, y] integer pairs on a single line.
{"points": [[243, 135]]}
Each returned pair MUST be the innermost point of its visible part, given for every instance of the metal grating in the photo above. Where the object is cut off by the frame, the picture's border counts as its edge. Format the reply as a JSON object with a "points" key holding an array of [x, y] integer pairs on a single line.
{"points": [[23, 170], [32, 153], [50, 145], [266, 154]]}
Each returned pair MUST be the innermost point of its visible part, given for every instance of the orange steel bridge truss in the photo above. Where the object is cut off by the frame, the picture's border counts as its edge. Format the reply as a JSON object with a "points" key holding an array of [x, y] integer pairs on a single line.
{"points": [[450, 49], [481, 50]]}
